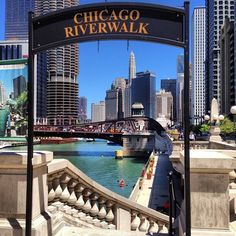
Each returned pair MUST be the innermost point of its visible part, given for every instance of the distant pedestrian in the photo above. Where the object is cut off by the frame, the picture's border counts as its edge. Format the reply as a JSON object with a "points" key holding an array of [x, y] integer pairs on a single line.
{"points": [[191, 136]]}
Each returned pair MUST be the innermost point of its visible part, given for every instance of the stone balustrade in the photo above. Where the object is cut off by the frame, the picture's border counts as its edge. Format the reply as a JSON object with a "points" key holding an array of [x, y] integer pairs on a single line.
{"points": [[194, 145], [83, 201]]}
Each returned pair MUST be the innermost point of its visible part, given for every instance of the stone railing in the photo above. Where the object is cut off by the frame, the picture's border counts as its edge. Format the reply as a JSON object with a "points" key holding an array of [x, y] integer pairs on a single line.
{"points": [[81, 200], [209, 181], [179, 145]]}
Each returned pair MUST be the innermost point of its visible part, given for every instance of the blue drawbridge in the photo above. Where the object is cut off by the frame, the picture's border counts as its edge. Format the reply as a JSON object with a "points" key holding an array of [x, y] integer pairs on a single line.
{"points": [[3, 121]]}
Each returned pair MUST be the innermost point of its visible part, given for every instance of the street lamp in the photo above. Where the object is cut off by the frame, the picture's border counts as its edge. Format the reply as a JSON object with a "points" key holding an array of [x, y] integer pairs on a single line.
{"points": [[206, 118], [215, 129], [233, 111]]}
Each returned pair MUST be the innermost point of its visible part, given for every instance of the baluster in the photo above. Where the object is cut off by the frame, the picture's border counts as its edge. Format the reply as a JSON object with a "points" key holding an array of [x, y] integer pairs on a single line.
{"points": [[94, 210], [57, 187], [135, 221], [71, 188], [144, 224], [78, 192], [65, 178], [51, 192], [162, 227], [80, 200], [153, 227], [110, 216], [87, 206], [102, 212]]}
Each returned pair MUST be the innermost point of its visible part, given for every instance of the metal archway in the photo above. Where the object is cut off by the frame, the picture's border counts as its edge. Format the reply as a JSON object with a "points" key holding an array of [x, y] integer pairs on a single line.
{"points": [[106, 21]]}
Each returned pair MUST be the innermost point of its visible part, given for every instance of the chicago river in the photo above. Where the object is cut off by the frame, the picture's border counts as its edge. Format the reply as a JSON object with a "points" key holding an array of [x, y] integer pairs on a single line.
{"points": [[97, 160]]}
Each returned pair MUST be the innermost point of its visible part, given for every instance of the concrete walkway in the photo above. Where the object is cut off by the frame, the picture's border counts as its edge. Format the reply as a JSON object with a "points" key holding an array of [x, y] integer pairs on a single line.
{"points": [[155, 192]]}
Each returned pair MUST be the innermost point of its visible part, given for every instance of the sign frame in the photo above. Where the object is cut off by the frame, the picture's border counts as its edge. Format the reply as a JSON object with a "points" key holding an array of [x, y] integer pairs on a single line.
{"points": [[33, 50]]}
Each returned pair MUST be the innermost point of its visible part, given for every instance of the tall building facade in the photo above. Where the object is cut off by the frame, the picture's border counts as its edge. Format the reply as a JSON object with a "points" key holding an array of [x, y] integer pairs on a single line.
{"points": [[82, 111], [169, 85], [227, 75], [216, 12], [115, 100], [127, 92], [98, 111], [132, 67], [16, 21], [62, 71], [3, 94], [164, 104], [19, 86], [198, 61], [180, 88], [143, 90]]}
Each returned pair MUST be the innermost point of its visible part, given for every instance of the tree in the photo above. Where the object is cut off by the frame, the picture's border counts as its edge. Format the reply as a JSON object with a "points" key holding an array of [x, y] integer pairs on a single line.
{"points": [[205, 128], [226, 126]]}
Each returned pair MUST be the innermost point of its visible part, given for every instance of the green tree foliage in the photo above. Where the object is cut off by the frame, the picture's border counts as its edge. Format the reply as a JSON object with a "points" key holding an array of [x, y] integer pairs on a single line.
{"points": [[226, 126], [205, 128]]}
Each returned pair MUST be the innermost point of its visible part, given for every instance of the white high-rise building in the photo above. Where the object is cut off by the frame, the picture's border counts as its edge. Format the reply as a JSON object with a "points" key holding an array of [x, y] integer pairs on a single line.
{"points": [[3, 94], [198, 61], [216, 12], [127, 92], [98, 111], [180, 88], [132, 68]]}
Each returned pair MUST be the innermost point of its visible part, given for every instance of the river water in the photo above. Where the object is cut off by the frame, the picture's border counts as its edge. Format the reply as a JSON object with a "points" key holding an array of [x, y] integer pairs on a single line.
{"points": [[97, 160]]}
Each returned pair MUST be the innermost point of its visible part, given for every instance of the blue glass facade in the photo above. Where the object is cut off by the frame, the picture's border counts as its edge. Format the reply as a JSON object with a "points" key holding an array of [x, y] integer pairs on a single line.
{"points": [[143, 90], [169, 85], [16, 24], [9, 52]]}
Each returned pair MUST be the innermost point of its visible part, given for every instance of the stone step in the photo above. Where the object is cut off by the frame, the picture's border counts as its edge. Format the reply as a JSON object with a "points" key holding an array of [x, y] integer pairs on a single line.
{"points": [[74, 231]]}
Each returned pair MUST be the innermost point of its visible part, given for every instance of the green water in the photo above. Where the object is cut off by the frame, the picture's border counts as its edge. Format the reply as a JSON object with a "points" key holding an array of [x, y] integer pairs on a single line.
{"points": [[97, 160]]}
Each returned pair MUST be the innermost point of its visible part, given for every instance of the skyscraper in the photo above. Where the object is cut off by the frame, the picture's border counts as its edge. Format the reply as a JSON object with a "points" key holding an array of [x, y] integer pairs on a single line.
{"points": [[198, 61], [98, 111], [16, 23], [62, 71], [127, 92], [3, 95], [227, 76], [169, 85], [82, 111], [115, 100], [164, 104], [132, 67], [143, 90], [179, 88], [19, 85], [216, 12]]}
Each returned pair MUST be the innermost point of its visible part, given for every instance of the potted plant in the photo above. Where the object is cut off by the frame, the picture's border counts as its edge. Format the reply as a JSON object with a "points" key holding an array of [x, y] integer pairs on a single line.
{"points": [[149, 174], [174, 134]]}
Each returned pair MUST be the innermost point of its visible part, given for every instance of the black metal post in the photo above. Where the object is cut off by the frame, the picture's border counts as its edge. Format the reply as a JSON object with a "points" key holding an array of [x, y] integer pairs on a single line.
{"points": [[186, 125], [170, 178], [29, 188]]}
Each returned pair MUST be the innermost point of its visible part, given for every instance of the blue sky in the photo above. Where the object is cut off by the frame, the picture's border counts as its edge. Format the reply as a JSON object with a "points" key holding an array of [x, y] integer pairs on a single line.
{"points": [[100, 63]]}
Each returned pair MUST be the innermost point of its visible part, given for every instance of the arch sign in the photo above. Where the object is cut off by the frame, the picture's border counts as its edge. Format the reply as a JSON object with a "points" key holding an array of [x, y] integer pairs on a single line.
{"points": [[146, 22], [106, 21]]}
